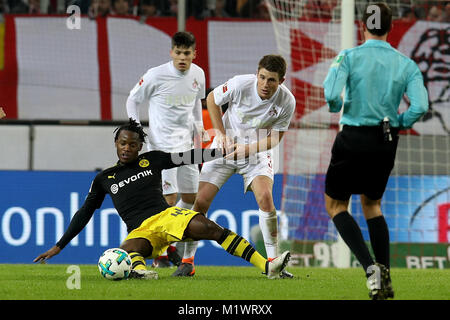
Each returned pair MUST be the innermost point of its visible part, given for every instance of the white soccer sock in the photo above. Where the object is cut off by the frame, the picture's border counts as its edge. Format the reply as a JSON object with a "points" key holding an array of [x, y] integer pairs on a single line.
{"points": [[183, 204], [190, 247], [269, 228], [164, 254]]}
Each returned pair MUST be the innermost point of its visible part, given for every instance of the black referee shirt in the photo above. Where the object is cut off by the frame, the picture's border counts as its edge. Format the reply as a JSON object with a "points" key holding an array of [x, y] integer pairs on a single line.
{"points": [[135, 188]]}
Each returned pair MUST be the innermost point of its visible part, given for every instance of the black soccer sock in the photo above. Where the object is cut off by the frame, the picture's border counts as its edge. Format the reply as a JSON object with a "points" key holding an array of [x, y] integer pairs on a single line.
{"points": [[352, 236], [379, 239]]}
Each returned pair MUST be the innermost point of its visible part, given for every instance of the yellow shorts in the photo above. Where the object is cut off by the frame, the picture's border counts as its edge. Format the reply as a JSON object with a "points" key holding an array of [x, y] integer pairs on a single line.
{"points": [[163, 229]]}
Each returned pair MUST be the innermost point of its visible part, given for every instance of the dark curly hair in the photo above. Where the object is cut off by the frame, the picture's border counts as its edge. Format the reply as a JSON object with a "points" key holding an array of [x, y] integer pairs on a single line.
{"points": [[131, 125]]}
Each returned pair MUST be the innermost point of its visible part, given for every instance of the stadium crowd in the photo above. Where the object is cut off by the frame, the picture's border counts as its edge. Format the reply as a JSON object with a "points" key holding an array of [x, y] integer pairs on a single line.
{"points": [[150, 8], [408, 10]]}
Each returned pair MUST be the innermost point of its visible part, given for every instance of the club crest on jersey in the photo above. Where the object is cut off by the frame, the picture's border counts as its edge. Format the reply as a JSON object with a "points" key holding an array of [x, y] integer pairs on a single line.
{"points": [[194, 84], [273, 112], [269, 159], [166, 185], [144, 163]]}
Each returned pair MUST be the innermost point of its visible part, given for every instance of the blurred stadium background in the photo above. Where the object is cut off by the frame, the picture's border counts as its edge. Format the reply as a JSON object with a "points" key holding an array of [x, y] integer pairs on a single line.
{"points": [[65, 77]]}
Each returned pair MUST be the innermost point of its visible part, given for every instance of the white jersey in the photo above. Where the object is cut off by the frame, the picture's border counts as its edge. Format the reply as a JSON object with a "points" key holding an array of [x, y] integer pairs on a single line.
{"points": [[247, 113], [174, 105]]}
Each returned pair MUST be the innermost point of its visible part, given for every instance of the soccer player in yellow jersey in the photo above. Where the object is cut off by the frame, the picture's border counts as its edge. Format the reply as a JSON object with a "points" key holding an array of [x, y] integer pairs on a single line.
{"points": [[134, 185]]}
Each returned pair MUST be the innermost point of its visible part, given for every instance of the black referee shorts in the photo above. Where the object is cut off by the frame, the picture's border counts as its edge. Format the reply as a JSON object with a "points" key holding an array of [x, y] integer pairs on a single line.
{"points": [[361, 162]]}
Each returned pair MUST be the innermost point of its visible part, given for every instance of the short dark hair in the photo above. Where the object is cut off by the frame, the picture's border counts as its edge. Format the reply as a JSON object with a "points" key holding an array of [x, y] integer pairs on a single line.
{"points": [[131, 125], [385, 19], [183, 39], [273, 63]]}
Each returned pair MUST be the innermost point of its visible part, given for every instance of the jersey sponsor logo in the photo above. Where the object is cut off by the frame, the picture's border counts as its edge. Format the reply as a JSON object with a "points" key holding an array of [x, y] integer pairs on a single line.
{"points": [[180, 100], [253, 122], [116, 186], [246, 101], [144, 163], [337, 61]]}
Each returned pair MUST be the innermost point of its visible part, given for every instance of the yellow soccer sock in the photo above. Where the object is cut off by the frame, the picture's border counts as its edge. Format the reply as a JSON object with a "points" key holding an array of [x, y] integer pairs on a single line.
{"points": [[239, 247], [137, 261]]}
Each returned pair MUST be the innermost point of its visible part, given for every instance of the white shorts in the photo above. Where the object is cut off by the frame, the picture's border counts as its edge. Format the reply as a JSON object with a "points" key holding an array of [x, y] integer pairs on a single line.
{"points": [[219, 171], [182, 179]]}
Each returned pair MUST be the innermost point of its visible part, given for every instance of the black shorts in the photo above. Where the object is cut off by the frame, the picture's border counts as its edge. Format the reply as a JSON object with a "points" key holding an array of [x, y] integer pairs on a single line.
{"points": [[361, 162]]}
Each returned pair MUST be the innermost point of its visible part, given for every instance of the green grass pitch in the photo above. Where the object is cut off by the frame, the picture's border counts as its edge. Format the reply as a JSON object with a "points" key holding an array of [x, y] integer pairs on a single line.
{"points": [[52, 282]]}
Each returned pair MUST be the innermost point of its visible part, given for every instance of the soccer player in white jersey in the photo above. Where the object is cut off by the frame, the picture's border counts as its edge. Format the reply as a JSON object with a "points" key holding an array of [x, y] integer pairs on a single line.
{"points": [[174, 91], [259, 111]]}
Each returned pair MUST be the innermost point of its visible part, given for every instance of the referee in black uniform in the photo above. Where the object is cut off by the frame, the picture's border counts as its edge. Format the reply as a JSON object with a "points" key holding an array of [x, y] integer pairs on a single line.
{"points": [[375, 77]]}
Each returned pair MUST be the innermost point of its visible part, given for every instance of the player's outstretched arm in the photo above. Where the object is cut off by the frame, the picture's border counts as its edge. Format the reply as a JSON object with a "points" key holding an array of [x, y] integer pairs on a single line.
{"points": [[2, 113], [78, 222], [48, 254], [241, 151], [194, 156]]}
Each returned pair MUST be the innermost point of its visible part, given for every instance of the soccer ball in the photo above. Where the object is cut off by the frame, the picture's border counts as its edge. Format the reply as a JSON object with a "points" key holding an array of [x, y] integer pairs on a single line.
{"points": [[114, 264]]}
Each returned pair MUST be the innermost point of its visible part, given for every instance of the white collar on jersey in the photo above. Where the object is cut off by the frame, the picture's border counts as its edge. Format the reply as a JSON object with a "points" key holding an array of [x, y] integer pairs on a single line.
{"points": [[176, 71]]}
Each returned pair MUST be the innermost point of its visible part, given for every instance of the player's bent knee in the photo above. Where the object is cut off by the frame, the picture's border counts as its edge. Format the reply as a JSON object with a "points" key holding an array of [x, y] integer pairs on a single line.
{"points": [[201, 205], [367, 202], [201, 228], [265, 201], [334, 206], [171, 199], [188, 197], [210, 228], [214, 229]]}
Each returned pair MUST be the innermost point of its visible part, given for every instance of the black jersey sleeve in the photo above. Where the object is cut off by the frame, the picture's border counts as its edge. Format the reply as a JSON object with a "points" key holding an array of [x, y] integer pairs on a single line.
{"points": [[81, 218], [194, 156]]}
